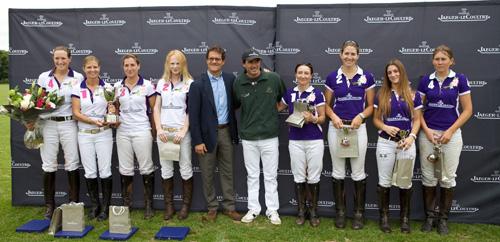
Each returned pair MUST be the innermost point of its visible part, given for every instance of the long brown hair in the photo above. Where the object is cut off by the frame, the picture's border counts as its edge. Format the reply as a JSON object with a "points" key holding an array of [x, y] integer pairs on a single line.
{"points": [[404, 89]]}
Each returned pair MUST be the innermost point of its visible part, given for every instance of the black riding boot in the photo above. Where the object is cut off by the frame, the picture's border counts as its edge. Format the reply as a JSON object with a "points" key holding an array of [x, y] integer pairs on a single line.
{"points": [[107, 188], [49, 190], [148, 181], [300, 190], [95, 205], [359, 204], [339, 197], [383, 207]]}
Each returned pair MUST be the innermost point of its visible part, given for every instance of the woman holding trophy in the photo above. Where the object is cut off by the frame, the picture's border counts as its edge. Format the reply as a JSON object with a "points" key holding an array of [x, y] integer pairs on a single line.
{"points": [[306, 145], [440, 141], [95, 138], [59, 127], [172, 123], [349, 97], [397, 116], [135, 96]]}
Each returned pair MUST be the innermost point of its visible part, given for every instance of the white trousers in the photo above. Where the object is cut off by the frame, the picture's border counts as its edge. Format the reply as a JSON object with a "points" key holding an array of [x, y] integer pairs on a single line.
{"points": [[96, 147], [253, 152], [185, 166], [451, 152], [387, 154], [138, 143], [306, 160], [55, 133], [357, 164]]}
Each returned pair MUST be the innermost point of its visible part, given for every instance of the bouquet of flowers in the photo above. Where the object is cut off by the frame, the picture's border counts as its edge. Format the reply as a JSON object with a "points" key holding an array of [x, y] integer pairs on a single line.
{"points": [[26, 108]]}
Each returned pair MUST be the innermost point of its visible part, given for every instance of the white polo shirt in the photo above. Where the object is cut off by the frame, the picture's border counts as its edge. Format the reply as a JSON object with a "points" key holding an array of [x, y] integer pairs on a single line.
{"points": [[92, 104], [173, 102], [134, 105], [63, 88]]}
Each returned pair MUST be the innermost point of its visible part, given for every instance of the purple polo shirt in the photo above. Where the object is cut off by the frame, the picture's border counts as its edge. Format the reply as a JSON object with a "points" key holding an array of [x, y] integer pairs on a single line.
{"points": [[315, 98], [349, 94], [441, 103], [400, 115]]}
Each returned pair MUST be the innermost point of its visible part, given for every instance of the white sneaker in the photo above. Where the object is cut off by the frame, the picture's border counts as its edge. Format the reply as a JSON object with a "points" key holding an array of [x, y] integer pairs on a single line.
{"points": [[274, 218], [249, 217]]}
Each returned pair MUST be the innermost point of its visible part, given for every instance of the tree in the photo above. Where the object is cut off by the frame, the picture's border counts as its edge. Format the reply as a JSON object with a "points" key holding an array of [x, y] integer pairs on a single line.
{"points": [[4, 66]]}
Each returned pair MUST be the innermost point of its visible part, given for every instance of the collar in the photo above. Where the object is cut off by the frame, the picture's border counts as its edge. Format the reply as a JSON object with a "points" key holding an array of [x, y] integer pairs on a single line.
{"points": [[359, 71], [309, 89], [139, 82], [84, 83], [450, 75], [70, 72], [210, 76], [247, 79]]}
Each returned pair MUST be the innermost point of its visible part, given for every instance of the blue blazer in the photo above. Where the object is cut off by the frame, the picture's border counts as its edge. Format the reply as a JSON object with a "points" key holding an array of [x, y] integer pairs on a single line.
{"points": [[203, 120]]}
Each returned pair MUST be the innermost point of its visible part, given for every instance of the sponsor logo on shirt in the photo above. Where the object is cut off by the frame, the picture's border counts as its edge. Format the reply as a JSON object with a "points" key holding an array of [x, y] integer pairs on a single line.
{"points": [[277, 49], [17, 52], [75, 51], [398, 117], [440, 104], [489, 50], [493, 115], [137, 50], [317, 18], [336, 51], [104, 21], [20, 165], [464, 16], [200, 50], [422, 49], [493, 178], [168, 19], [233, 19], [348, 97], [41, 22], [457, 208], [388, 18]]}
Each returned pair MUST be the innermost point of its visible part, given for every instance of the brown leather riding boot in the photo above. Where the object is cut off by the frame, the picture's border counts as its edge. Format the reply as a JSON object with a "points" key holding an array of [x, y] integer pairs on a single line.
{"points": [[187, 195], [168, 195]]}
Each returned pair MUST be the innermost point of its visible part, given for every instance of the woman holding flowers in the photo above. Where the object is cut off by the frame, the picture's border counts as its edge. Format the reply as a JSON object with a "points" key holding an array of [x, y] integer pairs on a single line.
{"points": [[397, 116], [306, 143], [442, 92], [95, 138], [59, 127], [172, 123], [135, 96], [349, 96]]}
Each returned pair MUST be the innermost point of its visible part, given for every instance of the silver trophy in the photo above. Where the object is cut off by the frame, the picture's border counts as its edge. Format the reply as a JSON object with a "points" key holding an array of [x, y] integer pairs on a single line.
{"points": [[434, 156], [345, 141]]}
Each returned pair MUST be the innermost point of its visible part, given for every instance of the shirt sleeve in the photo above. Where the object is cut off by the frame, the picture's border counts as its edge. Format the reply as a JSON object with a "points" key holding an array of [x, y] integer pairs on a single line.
{"points": [[375, 102], [330, 81], [463, 85], [370, 81], [75, 92], [320, 98], [422, 86], [417, 101]]}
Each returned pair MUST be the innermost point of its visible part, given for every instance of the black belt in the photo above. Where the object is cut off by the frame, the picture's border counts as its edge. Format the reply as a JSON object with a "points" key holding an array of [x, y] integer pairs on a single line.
{"points": [[222, 126], [384, 135], [349, 122], [61, 118]]}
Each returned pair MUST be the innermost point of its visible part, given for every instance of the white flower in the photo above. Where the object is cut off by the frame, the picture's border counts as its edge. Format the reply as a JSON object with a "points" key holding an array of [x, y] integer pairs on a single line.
{"points": [[26, 102], [311, 97], [109, 87]]}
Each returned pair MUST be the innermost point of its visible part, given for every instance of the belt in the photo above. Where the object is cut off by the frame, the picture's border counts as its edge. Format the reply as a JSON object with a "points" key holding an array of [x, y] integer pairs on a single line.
{"points": [[384, 135], [93, 131], [222, 126], [61, 118], [165, 128], [349, 122]]}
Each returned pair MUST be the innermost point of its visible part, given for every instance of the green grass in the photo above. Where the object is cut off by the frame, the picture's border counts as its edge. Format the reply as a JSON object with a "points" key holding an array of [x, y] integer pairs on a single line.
{"points": [[224, 229]]}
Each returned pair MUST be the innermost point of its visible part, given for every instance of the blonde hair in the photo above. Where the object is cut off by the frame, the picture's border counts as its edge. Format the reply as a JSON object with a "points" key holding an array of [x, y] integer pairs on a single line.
{"points": [[182, 61], [90, 58], [404, 89]]}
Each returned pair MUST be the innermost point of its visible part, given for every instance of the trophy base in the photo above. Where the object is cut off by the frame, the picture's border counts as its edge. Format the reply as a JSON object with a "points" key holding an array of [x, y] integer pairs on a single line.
{"points": [[111, 118]]}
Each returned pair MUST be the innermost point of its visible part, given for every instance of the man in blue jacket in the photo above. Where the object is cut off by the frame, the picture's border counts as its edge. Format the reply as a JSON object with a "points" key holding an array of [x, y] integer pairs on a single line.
{"points": [[213, 131]]}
